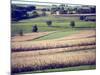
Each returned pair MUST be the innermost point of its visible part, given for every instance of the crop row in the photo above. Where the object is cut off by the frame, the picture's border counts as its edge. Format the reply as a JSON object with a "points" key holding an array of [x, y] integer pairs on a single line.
{"points": [[50, 61], [51, 51], [49, 44]]}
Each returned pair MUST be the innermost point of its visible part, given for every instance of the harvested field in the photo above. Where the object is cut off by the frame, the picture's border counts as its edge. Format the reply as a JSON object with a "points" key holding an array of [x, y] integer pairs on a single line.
{"points": [[52, 51], [29, 36], [69, 51], [48, 44], [85, 37], [56, 60]]}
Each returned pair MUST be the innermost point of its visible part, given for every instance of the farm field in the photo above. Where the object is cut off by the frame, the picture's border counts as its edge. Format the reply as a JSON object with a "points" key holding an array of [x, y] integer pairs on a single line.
{"points": [[58, 24], [29, 36], [77, 53], [39, 62], [56, 48]]}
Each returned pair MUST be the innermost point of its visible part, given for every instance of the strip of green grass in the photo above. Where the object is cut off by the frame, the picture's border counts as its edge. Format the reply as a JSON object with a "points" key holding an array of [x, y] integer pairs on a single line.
{"points": [[42, 27], [61, 23], [51, 17], [77, 68], [58, 34]]}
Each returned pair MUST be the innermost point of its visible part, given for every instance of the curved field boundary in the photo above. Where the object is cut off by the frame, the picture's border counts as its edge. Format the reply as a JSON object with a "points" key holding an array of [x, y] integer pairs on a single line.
{"points": [[51, 51], [39, 35], [81, 34], [58, 35], [49, 44], [30, 36]]}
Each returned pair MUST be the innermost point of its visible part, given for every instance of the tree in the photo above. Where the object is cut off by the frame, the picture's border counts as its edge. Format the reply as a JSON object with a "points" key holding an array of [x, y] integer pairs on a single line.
{"points": [[82, 17], [49, 23], [20, 12], [63, 9], [54, 8], [72, 24], [21, 32], [30, 8], [93, 9], [43, 12], [34, 28], [35, 14]]}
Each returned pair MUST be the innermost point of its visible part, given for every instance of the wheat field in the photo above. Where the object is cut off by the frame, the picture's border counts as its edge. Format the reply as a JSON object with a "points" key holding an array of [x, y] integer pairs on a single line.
{"points": [[46, 61], [48, 44], [74, 50]]}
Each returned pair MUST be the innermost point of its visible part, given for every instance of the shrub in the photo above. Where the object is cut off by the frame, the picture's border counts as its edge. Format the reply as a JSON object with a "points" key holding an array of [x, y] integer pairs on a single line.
{"points": [[72, 24], [82, 17], [35, 28], [43, 12], [90, 19], [21, 32], [49, 23], [35, 14]]}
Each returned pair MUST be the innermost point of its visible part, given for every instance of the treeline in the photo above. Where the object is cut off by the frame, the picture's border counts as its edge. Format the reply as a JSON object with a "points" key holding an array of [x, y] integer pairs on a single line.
{"points": [[19, 12], [65, 9], [22, 12]]}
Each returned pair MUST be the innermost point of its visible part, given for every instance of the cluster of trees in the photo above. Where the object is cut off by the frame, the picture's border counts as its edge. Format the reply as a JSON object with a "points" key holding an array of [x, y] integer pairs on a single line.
{"points": [[64, 9], [34, 29], [43, 12], [86, 9], [88, 18], [22, 12]]}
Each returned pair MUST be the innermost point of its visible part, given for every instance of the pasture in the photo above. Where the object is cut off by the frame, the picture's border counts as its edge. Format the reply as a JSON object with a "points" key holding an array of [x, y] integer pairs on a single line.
{"points": [[58, 24]]}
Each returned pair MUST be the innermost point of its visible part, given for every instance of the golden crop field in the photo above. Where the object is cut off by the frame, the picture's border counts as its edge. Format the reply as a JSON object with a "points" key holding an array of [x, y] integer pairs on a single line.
{"points": [[47, 44], [27, 62], [52, 51], [74, 50]]}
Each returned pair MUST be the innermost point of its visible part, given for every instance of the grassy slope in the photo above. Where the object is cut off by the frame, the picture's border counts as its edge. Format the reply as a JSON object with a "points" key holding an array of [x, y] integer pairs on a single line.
{"points": [[77, 68], [57, 34], [59, 23]]}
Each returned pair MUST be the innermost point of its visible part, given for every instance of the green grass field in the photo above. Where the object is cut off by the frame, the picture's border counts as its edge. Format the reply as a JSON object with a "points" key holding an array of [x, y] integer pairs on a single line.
{"points": [[58, 34], [58, 24], [77, 68]]}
